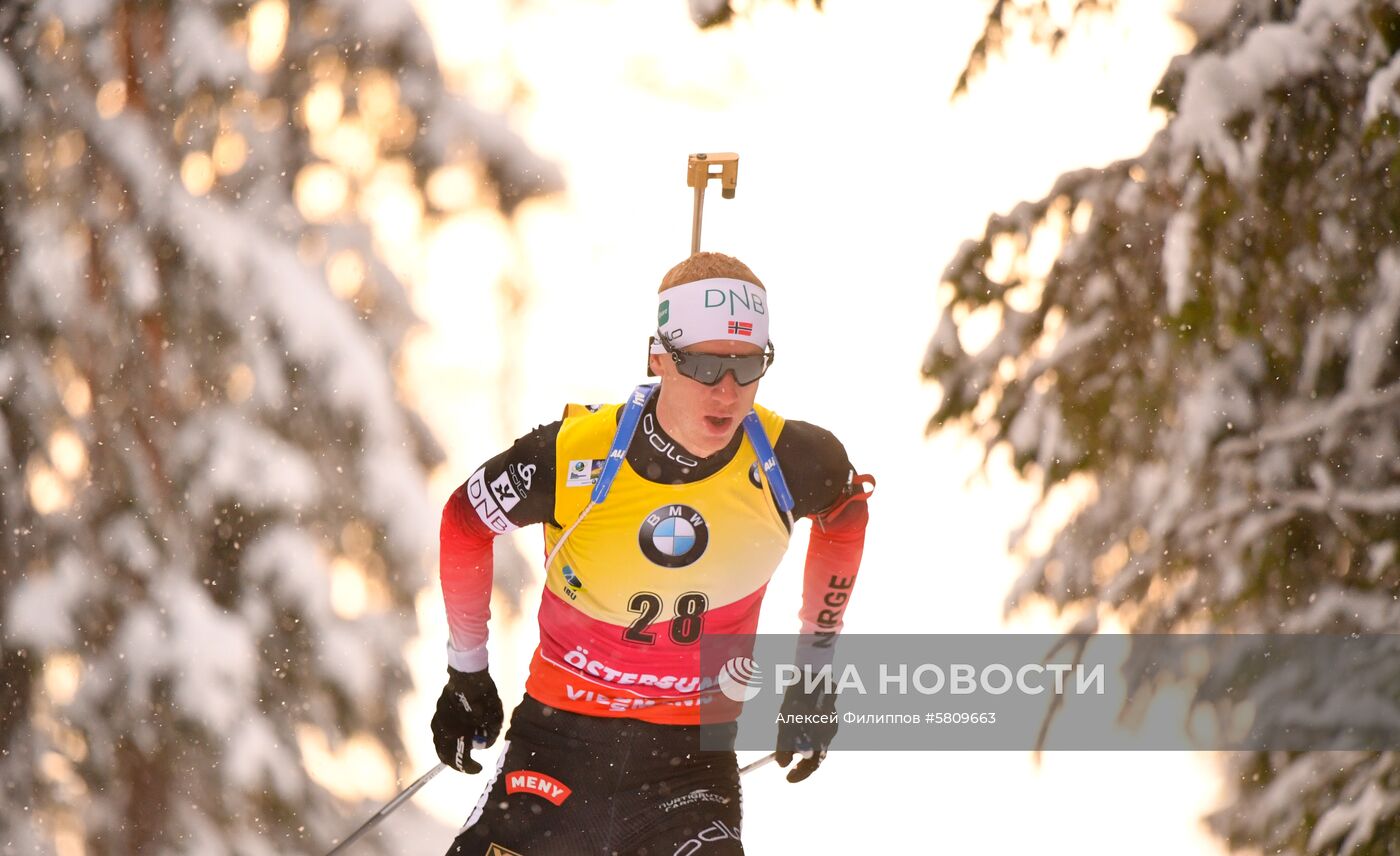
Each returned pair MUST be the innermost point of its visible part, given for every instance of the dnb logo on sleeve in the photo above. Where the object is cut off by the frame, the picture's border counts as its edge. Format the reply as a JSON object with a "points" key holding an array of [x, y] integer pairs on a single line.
{"points": [[673, 536]]}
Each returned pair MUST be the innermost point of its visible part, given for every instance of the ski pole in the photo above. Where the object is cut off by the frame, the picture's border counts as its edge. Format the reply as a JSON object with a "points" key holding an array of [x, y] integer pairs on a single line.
{"points": [[698, 175], [759, 763], [408, 792], [768, 759], [388, 809]]}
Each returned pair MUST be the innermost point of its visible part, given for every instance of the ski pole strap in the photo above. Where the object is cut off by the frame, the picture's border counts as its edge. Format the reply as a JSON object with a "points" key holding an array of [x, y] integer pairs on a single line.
{"points": [[768, 462], [626, 428]]}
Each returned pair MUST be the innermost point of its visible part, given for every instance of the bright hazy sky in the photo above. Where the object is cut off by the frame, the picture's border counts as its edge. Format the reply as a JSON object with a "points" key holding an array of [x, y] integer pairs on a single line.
{"points": [[857, 182]]}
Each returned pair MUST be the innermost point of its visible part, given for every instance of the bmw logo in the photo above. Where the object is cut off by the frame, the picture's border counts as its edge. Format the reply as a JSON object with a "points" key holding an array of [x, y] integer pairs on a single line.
{"points": [[673, 536]]}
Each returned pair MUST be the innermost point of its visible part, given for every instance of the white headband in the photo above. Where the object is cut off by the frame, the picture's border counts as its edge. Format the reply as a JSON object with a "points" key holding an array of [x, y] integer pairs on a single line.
{"points": [[707, 309]]}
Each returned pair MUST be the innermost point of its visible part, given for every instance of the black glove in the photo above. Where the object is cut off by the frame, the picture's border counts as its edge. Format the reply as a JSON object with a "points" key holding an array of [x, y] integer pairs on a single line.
{"points": [[468, 711], [812, 732]]}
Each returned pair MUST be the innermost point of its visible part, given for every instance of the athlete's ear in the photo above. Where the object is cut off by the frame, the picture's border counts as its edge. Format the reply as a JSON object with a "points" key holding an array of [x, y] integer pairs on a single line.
{"points": [[654, 364]]}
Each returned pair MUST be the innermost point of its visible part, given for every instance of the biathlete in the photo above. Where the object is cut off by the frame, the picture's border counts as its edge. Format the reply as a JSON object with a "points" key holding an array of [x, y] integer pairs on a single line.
{"points": [[664, 518]]}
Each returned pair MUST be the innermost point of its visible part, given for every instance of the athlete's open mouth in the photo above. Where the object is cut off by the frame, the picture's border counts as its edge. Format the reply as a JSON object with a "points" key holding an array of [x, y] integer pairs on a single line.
{"points": [[718, 422]]}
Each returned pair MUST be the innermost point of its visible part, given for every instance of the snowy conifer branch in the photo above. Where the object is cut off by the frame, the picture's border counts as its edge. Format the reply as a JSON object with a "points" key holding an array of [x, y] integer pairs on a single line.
{"points": [[213, 497], [1216, 352]]}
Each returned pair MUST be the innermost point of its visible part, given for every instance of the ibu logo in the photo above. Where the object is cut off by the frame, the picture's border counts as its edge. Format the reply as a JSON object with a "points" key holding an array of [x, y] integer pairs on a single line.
{"points": [[673, 536]]}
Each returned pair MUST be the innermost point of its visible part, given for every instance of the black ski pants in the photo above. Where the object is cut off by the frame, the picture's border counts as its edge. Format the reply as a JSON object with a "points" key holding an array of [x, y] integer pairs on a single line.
{"points": [[580, 785]]}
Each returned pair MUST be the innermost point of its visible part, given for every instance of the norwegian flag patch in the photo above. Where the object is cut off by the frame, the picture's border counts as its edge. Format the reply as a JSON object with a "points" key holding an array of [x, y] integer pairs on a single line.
{"points": [[740, 328]]}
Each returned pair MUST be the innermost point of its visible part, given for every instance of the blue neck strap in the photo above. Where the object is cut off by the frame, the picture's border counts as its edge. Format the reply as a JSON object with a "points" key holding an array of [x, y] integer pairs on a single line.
{"points": [[768, 460], [627, 428]]}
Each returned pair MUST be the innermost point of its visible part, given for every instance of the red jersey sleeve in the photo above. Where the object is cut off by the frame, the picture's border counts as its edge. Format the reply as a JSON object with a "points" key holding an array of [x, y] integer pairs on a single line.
{"points": [[833, 558], [826, 488], [513, 489], [466, 568]]}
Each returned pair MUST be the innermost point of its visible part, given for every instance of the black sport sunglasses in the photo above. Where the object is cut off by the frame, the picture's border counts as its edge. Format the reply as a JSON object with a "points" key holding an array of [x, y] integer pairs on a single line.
{"points": [[709, 369]]}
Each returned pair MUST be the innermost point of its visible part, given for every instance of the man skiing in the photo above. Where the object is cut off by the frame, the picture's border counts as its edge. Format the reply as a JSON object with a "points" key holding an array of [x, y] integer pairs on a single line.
{"points": [[664, 519]]}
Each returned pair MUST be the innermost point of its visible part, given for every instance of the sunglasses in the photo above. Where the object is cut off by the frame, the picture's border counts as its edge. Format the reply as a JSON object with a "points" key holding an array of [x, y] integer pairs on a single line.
{"points": [[709, 369]]}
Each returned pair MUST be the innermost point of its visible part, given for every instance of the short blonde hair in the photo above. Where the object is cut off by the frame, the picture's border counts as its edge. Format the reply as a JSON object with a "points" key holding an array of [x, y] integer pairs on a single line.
{"points": [[705, 266]]}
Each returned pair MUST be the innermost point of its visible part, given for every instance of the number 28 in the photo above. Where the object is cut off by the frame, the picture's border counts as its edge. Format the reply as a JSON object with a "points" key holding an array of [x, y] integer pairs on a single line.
{"points": [[686, 627]]}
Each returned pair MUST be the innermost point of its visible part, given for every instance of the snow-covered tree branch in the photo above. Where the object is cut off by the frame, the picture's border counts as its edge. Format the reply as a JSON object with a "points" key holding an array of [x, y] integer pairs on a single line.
{"points": [[1212, 361], [214, 507]]}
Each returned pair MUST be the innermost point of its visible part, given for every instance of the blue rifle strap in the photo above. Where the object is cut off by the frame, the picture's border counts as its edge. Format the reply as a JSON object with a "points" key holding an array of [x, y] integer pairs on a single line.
{"points": [[768, 460], [626, 427]]}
